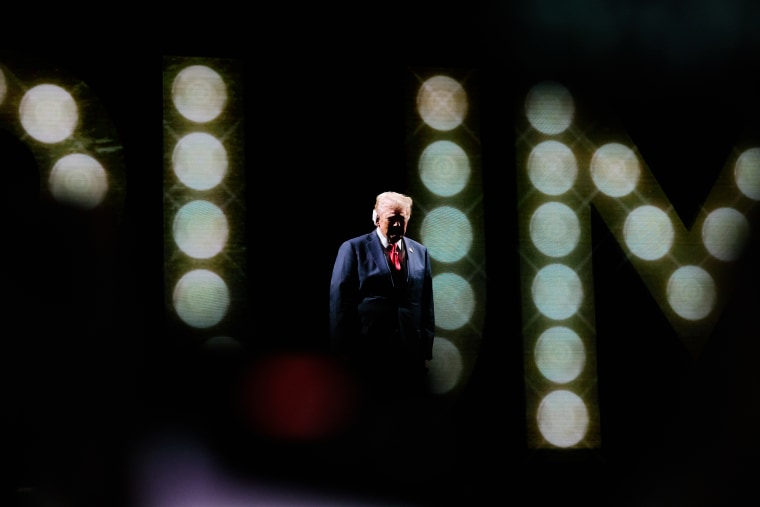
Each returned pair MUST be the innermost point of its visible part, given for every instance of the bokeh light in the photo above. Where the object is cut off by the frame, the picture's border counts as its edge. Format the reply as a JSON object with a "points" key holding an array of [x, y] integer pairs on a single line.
{"points": [[444, 168], [176, 468], [725, 233], [454, 301], [550, 107], [299, 397], [199, 93], [615, 169], [552, 167], [200, 229], [199, 160], [447, 232], [555, 229], [48, 113], [560, 354], [691, 292], [442, 103], [563, 418], [446, 367], [648, 232], [78, 180], [201, 298], [747, 173], [557, 291]]}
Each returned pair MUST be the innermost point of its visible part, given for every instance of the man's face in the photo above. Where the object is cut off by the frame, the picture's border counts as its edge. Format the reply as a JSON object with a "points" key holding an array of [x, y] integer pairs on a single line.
{"points": [[392, 222]]}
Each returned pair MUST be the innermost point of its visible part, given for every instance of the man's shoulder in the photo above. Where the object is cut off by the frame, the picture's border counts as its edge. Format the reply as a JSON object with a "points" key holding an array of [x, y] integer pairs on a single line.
{"points": [[361, 239], [415, 244]]}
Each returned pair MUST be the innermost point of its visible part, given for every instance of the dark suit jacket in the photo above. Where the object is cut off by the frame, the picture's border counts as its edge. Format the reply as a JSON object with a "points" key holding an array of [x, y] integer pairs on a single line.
{"points": [[374, 316]]}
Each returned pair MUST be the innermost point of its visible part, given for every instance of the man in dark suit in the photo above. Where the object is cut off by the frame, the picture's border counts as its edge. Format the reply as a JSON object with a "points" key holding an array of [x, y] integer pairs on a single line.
{"points": [[382, 316]]}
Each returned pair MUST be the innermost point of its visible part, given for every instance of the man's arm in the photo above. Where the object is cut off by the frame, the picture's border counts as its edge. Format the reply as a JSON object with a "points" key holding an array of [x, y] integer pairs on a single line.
{"points": [[343, 293], [428, 309]]}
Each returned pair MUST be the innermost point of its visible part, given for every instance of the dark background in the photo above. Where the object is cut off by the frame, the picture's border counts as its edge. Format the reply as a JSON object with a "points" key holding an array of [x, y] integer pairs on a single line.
{"points": [[324, 133]]}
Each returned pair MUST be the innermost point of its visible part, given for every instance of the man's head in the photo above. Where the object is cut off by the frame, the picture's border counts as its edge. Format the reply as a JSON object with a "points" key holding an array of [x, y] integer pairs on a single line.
{"points": [[391, 214]]}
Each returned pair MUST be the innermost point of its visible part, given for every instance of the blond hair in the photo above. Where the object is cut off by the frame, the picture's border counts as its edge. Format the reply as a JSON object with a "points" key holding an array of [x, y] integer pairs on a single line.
{"points": [[393, 200]]}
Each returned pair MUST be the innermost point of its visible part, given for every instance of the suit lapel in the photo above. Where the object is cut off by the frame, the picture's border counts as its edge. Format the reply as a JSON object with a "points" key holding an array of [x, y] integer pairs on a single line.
{"points": [[377, 252]]}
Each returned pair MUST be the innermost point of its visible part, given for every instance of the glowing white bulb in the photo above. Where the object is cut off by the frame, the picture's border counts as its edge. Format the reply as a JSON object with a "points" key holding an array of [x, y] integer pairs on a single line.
{"points": [[560, 354], [200, 161], [201, 298], [442, 103], [563, 418], [549, 107], [48, 113], [200, 229], [691, 292], [747, 173], [552, 168], [444, 168], [78, 180], [557, 291], [725, 233], [555, 229], [648, 232], [447, 232], [615, 170], [454, 301], [446, 370], [199, 93]]}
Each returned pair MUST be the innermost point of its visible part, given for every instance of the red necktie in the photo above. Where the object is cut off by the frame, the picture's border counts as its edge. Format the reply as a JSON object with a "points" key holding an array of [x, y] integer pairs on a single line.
{"points": [[395, 257]]}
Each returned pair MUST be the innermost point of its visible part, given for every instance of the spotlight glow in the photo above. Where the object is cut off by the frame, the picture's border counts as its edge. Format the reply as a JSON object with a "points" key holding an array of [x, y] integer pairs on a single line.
{"points": [[199, 93], [648, 232], [615, 169], [563, 418], [555, 229], [444, 168], [560, 354], [552, 168], [557, 291], [298, 397], [454, 301], [200, 161], [447, 232], [747, 173], [691, 292], [200, 229], [48, 113], [550, 107], [725, 233], [201, 298], [442, 103], [78, 180], [446, 369]]}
